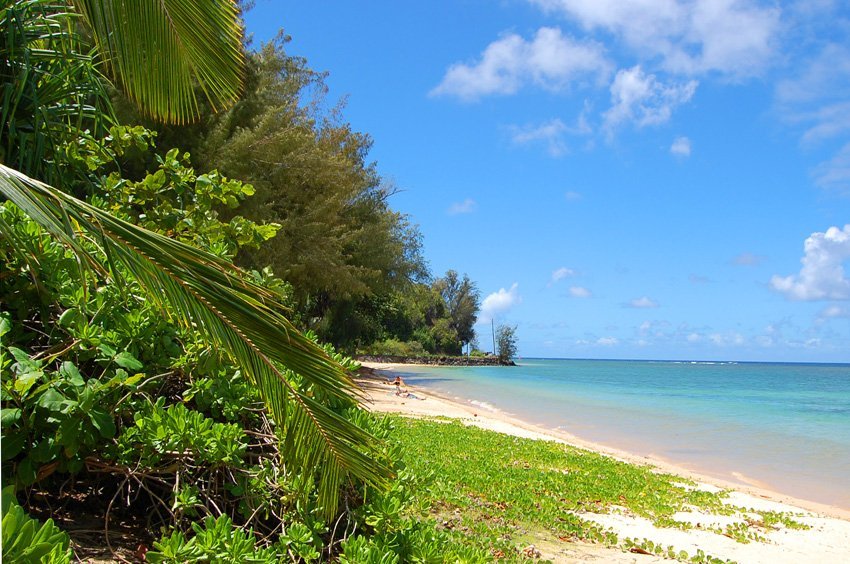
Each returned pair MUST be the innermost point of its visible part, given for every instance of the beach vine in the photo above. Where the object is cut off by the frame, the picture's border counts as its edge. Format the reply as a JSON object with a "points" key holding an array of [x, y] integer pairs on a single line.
{"points": [[503, 493]]}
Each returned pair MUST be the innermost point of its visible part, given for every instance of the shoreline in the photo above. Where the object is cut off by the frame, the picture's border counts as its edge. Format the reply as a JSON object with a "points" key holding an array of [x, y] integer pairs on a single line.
{"points": [[374, 384], [827, 538], [434, 360]]}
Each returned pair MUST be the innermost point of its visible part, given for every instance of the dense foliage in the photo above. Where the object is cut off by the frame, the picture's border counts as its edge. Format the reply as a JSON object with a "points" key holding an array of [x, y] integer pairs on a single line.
{"points": [[149, 382], [135, 357], [97, 382]]}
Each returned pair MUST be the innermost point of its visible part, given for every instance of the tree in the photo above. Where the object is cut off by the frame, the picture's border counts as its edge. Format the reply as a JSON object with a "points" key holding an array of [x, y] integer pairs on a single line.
{"points": [[461, 298], [506, 342], [191, 286], [342, 248]]}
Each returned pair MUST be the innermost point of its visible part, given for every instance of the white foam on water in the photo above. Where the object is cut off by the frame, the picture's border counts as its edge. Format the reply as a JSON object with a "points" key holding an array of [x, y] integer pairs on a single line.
{"points": [[484, 405]]}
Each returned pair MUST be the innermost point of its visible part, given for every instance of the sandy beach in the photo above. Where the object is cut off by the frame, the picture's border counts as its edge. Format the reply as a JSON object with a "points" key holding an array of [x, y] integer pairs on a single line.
{"points": [[828, 540]]}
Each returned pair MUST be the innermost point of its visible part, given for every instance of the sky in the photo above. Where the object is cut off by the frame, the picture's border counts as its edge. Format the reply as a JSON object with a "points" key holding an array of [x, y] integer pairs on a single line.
{"points": [[636, 179]]}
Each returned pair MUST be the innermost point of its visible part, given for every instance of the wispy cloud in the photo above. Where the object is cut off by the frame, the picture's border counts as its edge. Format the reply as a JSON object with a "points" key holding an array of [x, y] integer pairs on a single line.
{"points": [[467, 206], [748, 259], [822, 276], [580, 292], [816, 97], [643, 302], [550, 133], [549, 60], [681, 147], [727, 339], [835, 312], [562, 273], [834, 174], [642, 99]]}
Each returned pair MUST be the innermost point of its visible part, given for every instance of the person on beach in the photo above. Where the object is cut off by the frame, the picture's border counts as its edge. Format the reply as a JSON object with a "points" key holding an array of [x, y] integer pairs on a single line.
{"points": [[397, 383], [398, 391]]}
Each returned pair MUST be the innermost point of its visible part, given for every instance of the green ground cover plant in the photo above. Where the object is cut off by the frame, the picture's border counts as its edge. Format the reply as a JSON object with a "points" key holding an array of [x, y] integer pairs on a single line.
{"points": [[27, 541], [499, 493]]}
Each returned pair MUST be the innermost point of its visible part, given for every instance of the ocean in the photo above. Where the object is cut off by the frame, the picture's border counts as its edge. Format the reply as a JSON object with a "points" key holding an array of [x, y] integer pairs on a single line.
{"points": [[785, 427]]}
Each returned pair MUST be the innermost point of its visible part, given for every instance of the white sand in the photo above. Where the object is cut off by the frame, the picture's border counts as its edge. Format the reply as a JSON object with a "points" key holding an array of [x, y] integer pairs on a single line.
{"points": [[828, 540]]}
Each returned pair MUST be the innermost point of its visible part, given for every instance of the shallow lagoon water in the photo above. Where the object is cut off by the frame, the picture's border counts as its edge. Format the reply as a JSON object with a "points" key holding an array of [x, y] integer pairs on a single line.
{"points": [[785, 427]]}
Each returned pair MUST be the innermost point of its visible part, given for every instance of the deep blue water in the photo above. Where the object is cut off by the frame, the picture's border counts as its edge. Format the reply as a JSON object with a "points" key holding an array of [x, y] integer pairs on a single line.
{"points": [[782, 426]]}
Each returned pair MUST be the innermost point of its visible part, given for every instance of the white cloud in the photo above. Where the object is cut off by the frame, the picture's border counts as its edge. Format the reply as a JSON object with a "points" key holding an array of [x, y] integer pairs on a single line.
{"points": [[681, 147], [727, 340], [765, 341], [653, 328], [642, 99], [822, 76], [834, 174], [551, 133], [816, 93], [733, 37], [643, 302], [580, 292], [822, 275], [550, 60], [572, 196], [828, 120], [466, 206], [835, 312], [607, 341], [694, 337], [816, 96], [562, 273], [499, 302]]}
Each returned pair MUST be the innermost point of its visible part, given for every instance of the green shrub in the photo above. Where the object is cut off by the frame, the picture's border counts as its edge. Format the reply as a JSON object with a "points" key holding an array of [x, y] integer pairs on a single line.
{"points": [[392, 347], [26, 541], [218, 540], [171, 433]]}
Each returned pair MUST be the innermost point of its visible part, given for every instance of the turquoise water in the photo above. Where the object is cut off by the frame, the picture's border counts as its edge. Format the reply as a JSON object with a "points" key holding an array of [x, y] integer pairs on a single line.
{"points": [[781, 426]]}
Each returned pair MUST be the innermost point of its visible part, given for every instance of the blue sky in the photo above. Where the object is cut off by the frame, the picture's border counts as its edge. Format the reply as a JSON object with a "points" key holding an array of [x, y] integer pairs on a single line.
{"points": [[622, 178]]}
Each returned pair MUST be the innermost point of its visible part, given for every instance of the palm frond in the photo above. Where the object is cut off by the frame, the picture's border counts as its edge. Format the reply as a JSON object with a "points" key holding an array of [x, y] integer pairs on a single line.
{"points": [[208, 294], [160, 50]]}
